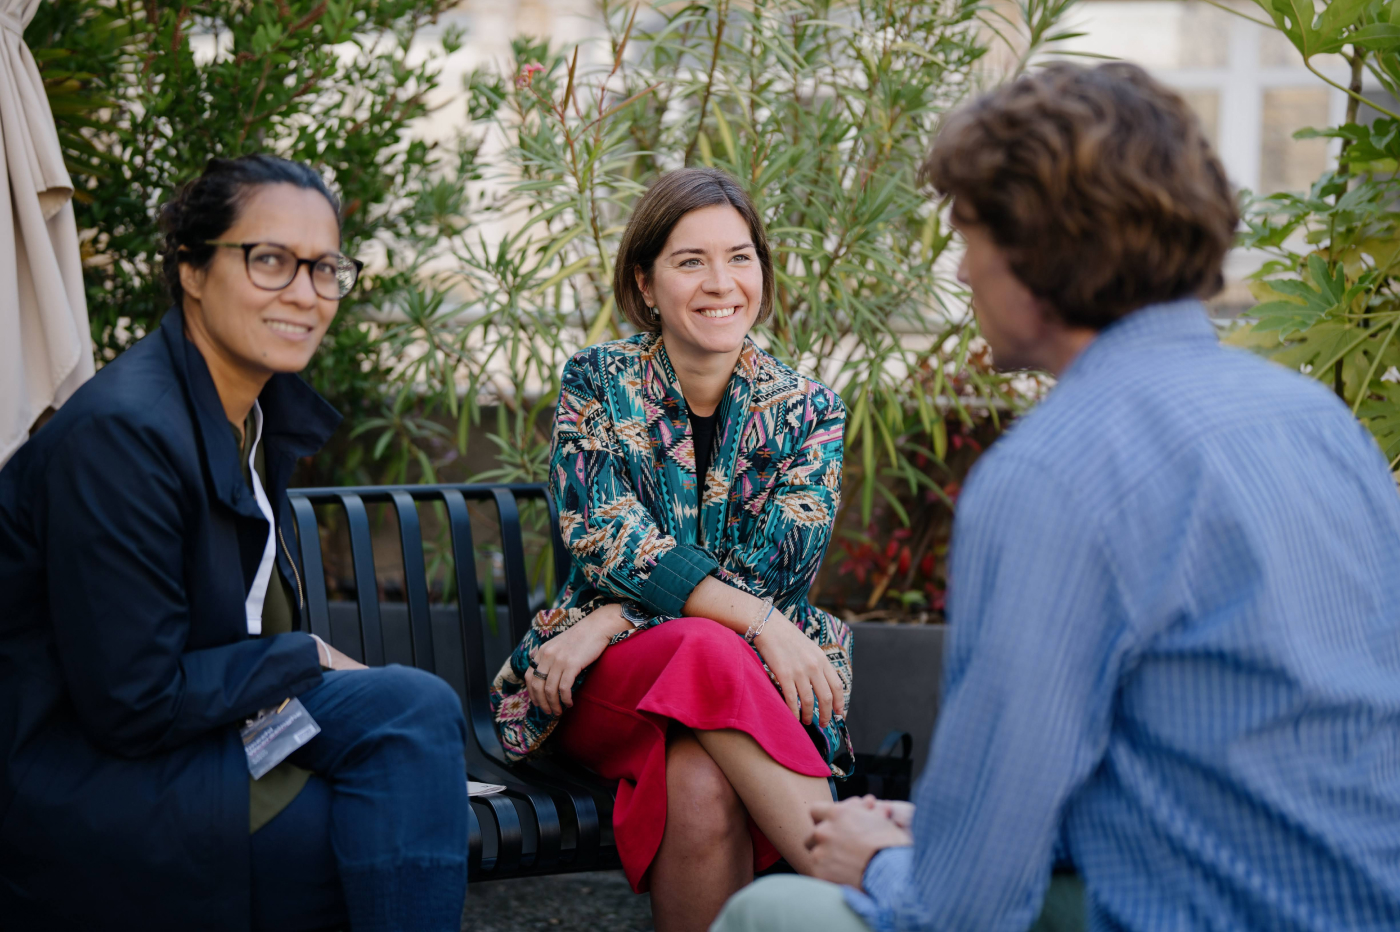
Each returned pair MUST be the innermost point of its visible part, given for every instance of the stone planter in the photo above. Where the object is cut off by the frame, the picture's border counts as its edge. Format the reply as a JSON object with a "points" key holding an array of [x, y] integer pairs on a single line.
{"points": [[898, 680]]}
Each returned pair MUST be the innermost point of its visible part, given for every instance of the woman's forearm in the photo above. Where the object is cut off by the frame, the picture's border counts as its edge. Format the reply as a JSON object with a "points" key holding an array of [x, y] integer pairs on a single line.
{"points": [[607, 621], [731, 607], [803, 672]]}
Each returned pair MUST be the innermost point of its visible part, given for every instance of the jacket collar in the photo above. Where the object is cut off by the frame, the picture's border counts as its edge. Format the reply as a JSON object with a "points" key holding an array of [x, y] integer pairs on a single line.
{"points": [[746, 368], [296, 420]]}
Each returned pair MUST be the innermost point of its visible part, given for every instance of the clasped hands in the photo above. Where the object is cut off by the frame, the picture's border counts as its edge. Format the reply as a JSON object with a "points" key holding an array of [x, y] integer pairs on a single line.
{"points": [[849, 833]]}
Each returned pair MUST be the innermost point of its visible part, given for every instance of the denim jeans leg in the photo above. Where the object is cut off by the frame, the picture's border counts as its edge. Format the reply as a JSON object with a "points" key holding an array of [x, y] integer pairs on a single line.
{"points": [[295, 880], [391, 747]]}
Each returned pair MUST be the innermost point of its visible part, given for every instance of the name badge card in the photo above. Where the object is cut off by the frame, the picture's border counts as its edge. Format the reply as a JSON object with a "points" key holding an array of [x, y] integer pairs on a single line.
{"points": [[275, 733]]}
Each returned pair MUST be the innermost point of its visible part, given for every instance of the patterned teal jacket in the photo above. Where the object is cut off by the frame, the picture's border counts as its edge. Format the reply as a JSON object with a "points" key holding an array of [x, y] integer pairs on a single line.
{"points": [[622, 473]]}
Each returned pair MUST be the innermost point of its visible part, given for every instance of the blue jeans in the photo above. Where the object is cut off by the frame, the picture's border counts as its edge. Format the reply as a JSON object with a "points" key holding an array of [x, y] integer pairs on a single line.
{"points": [[378, 837]]}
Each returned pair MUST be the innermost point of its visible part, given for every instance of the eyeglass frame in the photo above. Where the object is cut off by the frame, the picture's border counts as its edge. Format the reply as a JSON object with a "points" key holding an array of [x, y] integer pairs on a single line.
{"points": [[309, 263]]}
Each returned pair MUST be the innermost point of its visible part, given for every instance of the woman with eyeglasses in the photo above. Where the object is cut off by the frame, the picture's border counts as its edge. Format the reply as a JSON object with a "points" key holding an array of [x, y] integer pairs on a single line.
{"points": [[149, 603]]}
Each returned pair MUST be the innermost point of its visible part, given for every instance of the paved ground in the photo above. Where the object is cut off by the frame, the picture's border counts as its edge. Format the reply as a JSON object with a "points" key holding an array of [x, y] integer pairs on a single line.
{"points": [[567, 903]]}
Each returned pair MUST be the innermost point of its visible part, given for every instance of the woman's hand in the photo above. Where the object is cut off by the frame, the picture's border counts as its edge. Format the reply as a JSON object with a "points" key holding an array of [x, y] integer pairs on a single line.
{"points": [[340, 661], [802, 670], [563, 657], [332, 659]]}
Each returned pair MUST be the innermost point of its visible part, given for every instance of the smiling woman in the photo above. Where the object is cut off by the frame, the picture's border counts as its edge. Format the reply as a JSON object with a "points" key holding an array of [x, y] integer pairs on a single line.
{"points": [[697, 479], [148, 594]]}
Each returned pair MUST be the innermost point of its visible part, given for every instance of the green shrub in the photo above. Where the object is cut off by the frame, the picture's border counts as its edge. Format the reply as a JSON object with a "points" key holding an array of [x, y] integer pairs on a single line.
{"points": [[487, 272], [1328, 297], [144, 94]]}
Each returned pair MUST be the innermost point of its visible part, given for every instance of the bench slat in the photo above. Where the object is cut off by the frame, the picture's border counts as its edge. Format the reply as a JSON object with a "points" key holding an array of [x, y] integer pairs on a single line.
{"points": [[415, 581], [366, 583], [513, 555], [478, 700], [317, 616], [562, 559]]}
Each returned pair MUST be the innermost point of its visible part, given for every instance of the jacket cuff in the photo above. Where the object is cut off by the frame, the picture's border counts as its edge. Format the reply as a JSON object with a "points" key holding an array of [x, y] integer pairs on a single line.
{"points": [[674, 578], [313, 670]]}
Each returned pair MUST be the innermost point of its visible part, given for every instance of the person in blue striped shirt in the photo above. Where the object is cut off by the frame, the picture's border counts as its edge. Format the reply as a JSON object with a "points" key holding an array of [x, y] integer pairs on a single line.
{"points": [[1174, 590]]}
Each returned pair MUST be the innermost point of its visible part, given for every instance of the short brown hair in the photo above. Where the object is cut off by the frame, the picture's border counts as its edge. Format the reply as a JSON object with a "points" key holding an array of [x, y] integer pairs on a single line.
{"points": [[674, 195], [1097, 182]]}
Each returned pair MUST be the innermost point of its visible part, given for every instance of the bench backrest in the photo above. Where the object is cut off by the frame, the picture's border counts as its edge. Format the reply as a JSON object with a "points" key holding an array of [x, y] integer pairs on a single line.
{"points": [[451, 644]]}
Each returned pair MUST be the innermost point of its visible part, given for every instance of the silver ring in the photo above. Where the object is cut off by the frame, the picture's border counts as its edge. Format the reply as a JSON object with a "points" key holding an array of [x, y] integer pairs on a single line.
{"points": [[543, 676]]}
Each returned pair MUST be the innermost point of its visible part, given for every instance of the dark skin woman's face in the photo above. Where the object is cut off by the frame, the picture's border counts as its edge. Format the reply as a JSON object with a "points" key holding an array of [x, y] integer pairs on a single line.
{"points": [[249, 329]]}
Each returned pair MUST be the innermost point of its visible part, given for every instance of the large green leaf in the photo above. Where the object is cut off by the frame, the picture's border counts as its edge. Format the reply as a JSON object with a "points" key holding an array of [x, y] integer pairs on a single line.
{"points": [[1296, 20], [1339, 14], [1381, 415]]}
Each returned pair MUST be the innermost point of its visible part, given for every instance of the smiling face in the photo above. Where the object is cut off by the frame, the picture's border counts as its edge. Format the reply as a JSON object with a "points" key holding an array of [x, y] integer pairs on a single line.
{"points": [[241, 327], [707, 283]]}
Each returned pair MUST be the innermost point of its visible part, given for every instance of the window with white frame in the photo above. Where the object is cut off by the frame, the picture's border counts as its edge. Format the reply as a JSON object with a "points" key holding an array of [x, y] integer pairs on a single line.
{"points": [[1246, 82]]}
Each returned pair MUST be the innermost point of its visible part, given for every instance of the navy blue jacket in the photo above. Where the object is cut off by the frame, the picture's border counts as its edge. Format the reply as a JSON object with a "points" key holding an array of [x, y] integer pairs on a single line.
{"points": [[128, 542]]}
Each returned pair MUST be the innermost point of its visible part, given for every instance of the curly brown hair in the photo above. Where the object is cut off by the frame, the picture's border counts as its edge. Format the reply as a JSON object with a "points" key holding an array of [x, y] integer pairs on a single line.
{"points": [[674, 195], [1097, 182]]}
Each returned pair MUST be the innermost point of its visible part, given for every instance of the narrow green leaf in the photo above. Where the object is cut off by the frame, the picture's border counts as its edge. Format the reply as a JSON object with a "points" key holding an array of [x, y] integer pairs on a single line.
{"points": [[727, 137], [573, 268], [868, 479], [600, 323]]}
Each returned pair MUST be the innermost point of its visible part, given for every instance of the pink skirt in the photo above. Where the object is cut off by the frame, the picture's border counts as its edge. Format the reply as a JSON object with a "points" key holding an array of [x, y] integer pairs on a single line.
{"points": [[690, 670]]}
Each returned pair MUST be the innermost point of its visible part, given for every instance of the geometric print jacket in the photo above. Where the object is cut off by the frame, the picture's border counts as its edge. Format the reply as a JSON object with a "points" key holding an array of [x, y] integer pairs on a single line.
{"points": [[622, 475]]}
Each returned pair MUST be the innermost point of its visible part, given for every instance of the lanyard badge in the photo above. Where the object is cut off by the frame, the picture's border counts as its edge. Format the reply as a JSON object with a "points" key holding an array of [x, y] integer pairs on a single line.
{"points": [[273, 734]]}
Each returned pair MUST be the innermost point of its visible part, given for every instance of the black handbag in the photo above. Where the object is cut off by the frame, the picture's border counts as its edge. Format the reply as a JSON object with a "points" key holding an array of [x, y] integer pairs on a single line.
{"points": [[886, 774]]}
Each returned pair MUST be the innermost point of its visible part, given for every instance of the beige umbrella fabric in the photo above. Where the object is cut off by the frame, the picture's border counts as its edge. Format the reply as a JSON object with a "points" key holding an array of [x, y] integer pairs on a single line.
{"points": [[45, 345]]}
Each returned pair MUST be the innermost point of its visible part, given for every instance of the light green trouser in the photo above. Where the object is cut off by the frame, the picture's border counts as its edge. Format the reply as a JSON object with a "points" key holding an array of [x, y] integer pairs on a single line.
{"points": [[791, 903]]}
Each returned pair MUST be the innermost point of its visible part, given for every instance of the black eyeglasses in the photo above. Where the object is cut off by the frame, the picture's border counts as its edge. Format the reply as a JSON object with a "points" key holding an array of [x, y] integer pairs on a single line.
{"points": [[273, 267]]}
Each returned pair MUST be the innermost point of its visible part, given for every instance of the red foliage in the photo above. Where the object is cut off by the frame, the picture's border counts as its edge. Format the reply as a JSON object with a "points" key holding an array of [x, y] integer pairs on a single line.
{"points": [[887, 569]]}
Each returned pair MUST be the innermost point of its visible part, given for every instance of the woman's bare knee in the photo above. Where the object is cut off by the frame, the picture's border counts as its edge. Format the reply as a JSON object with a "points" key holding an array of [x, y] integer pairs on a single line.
{"points": [[701, 803]]}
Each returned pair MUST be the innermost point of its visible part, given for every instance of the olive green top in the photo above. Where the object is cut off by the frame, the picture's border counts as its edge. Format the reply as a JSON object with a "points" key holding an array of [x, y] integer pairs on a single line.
{"points": [[280, 785]]}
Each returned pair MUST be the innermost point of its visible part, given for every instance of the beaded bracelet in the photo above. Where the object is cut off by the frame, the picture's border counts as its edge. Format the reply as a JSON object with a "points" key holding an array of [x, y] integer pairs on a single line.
{"points": [[756, 628]]}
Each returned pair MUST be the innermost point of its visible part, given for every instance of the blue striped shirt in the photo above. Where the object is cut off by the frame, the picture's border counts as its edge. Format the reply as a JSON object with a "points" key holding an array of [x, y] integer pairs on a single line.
{"points": [[1174, 610]]}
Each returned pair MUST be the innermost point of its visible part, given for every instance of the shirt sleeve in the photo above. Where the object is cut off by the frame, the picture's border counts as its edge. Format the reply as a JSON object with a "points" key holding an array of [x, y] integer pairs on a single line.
{"points": [[608, 531], [1036, 633], [886, 877], [798, 510]]}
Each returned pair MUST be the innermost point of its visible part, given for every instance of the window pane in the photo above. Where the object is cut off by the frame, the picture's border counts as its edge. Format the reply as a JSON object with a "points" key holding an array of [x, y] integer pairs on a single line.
{"points": [[1285, 163], [1145, 32], [1157, 34], [1205, 35]]}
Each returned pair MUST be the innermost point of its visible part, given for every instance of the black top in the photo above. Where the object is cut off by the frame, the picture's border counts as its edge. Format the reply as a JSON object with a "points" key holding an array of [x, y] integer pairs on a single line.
{"points": [[703, 433]]}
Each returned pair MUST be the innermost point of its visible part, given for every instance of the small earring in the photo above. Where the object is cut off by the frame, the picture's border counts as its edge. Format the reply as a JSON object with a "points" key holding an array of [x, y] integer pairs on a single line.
{"points": [[655, 314]]}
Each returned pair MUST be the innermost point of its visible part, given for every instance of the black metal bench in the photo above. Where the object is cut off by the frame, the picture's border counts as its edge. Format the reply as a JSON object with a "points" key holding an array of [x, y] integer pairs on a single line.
{"points": [[552, 818]]}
